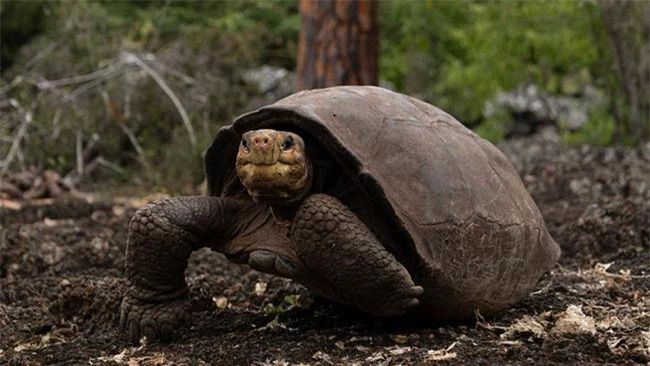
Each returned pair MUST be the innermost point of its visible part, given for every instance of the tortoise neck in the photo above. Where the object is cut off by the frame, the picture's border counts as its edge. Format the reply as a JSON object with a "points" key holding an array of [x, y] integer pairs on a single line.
{"points": [[284, 214], [285, 211]]}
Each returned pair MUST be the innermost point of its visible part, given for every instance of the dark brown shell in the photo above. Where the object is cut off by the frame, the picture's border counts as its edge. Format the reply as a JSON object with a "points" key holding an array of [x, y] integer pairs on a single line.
{"points": [[480, 238]]}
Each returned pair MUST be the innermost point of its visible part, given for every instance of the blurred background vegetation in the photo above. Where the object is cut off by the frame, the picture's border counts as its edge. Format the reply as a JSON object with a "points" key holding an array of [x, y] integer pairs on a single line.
{"points": [[95, 81]]}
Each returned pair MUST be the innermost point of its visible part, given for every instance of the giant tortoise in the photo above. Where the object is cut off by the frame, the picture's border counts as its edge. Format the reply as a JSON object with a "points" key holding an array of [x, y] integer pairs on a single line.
{"points": [[369, 198]]}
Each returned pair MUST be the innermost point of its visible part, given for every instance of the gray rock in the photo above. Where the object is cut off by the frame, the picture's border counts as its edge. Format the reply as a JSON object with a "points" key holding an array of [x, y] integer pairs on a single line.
{"points": [[271, 79], [531, 108], [271, 83]]}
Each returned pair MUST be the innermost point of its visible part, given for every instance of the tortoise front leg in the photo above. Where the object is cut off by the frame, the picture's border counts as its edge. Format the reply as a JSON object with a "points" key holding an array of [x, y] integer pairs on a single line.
{"points": [[355, 268], [161, 237]]}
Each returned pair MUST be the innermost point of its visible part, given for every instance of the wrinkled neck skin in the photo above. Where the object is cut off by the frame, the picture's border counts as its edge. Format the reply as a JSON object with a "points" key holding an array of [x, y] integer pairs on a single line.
{"points": [[284, 212], [324, 177]]}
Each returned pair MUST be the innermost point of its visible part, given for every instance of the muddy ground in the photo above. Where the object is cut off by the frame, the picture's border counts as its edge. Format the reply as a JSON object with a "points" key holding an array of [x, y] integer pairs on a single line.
{"points": [[62, 277]]}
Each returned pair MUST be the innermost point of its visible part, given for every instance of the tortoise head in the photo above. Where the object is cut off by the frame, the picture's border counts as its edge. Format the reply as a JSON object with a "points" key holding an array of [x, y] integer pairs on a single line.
{"points": [[273, 166]]}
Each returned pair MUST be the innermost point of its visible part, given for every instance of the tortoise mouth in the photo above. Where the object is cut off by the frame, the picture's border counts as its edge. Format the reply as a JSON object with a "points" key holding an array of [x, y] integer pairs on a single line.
{"points": [[267, 172], [275, 183]]}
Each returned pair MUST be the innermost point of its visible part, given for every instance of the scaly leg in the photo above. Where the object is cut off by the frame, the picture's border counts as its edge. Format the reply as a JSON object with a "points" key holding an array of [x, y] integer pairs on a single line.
{"points": [[161, 237], [355, 268]]}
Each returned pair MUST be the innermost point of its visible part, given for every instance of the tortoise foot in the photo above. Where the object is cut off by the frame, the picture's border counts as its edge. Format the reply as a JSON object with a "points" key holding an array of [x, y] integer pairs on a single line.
{"points": [[154, 320]]}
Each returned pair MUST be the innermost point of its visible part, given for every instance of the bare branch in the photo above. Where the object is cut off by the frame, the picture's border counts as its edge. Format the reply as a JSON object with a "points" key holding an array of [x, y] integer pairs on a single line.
{"points": [[133, 59], [56, 128], [127, 131], [134, 141], [99, 74], [22, 130], [91, 84], [16, 81], [71, 179], [39, 55], [184, 77], [79, 154], [110, 165], [21, 160]]}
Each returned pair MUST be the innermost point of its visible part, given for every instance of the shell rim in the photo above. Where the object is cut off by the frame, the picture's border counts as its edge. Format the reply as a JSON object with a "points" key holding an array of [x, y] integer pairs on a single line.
{"points": [[224, 147]]}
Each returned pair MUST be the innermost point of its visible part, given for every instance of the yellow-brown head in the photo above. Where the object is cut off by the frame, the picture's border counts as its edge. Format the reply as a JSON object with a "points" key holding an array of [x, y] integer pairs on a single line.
{"points": [[273, 166]]}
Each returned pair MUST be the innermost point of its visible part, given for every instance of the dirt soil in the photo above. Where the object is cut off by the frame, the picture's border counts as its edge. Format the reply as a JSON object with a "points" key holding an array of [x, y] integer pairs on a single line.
{"points": [[62, 278]]}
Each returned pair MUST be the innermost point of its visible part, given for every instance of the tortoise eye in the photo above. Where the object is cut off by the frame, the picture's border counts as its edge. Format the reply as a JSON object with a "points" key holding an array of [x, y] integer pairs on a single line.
{"points": [[288, 143], [244, 143]]}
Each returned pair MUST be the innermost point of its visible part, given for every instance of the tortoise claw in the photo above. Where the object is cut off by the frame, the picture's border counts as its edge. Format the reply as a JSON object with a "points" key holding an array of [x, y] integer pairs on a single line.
{"points": [[412, 303], [261, 260], [415, 291], [269, 262]]}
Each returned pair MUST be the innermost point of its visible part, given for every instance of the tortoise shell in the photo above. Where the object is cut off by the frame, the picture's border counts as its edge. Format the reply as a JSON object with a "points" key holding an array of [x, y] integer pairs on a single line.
{"points": [[472, 234]]}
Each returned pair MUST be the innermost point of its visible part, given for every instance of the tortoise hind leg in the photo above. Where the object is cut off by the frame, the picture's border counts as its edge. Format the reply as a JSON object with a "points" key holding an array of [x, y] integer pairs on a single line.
{"points": [[352, 266]]}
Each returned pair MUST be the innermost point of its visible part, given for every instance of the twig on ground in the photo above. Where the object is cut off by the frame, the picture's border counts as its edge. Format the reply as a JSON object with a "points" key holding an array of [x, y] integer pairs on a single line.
{"points": [[9, 189], [600, 269], [11, 205], [451, 346], [133, 59], [51, 180], [482, 323]]}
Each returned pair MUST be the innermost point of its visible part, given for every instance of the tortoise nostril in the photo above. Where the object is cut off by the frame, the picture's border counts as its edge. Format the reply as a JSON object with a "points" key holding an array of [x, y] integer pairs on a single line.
{"points": [[261, 141]]}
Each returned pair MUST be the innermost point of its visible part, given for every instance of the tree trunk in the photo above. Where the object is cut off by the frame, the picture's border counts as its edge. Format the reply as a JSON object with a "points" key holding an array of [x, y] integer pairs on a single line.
{"points": [[627, 26], [339, 43]]}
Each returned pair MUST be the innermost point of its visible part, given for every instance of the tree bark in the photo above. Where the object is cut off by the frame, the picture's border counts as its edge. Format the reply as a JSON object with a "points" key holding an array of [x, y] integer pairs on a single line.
{"points": [[627, 26], [339, 43]]}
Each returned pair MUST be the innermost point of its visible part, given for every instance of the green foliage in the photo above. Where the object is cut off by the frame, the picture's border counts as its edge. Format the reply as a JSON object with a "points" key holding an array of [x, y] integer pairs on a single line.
{"points": [[472, 50], [272, 26], [289, 302], [598, 131], [495, 127], [416, 41]]}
